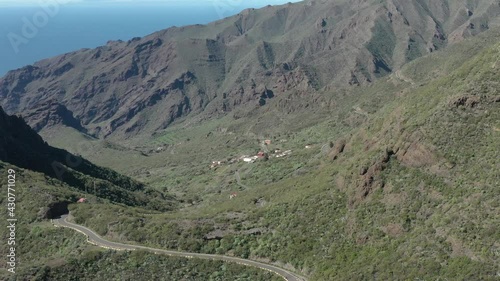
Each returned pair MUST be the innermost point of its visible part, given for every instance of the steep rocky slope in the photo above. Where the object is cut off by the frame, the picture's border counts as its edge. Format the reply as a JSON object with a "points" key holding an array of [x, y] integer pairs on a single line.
{"points": [[23, 147], [280, 57], [400, 182], [400, 178]]}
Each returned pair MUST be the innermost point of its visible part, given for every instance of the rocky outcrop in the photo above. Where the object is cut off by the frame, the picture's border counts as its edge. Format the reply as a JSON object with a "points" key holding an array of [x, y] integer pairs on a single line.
{"points": [[370, 176], [337, 148], [56, 209], [467, 101], [50, 114]]}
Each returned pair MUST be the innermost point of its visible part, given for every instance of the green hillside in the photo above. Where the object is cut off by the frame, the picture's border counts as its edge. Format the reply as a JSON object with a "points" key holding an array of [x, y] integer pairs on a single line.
{"points": [[21, 146], [392, 175], [45, 252], [401, 181]]}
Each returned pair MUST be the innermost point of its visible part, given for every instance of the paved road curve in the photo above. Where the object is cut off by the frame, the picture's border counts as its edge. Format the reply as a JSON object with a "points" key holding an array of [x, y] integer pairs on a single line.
{"points": [[95, 239]]}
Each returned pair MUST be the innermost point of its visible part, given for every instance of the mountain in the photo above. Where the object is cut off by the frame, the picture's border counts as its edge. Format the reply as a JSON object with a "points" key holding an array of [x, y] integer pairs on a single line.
{"points": [[392, 151], [23, 147], [398, 181], [280, 57], [38, 193]]}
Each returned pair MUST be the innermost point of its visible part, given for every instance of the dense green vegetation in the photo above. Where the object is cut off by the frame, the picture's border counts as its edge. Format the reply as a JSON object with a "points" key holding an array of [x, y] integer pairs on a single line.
{"points": [[137, 265], [37, 241], [48, 253], [400, 181], [413, 194], [23, 147]]}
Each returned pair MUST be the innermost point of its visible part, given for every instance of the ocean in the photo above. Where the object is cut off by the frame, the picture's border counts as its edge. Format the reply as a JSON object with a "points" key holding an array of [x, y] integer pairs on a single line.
{"points": [[32, 33]]}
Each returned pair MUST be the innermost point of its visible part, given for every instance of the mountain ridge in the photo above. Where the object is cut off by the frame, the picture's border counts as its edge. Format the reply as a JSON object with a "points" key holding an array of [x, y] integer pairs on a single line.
{"points": [[23, 147], [277, 57], [394, 179]]}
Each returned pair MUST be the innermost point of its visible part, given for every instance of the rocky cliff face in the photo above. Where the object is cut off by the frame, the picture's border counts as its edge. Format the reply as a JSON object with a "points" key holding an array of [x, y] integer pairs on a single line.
{"points": [[140, 86], [17, 140], [50, 114], [22, 146]]}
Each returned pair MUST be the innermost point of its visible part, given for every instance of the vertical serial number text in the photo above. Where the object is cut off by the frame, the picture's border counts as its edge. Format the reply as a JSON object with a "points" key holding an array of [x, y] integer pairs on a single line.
{"points": [[11, 220]]}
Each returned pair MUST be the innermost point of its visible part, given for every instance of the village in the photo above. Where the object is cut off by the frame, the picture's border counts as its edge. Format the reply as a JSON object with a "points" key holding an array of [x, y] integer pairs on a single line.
{"points": [[264, 154], [267, 151]]}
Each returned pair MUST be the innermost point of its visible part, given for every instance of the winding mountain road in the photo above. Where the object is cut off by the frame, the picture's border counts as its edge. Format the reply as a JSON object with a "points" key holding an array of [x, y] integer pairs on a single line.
{"points": [[97, 240]]}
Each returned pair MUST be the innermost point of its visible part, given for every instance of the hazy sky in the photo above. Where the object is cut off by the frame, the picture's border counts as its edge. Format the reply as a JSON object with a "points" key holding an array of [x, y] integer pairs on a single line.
{"points": [[31, 30], [144, 2]]}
